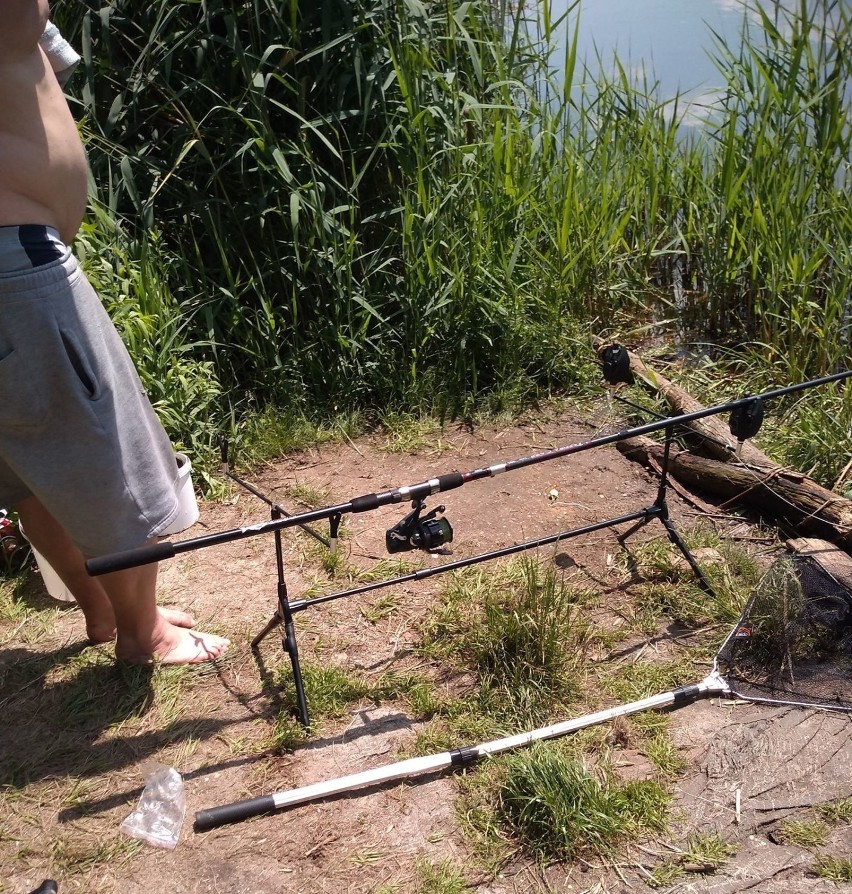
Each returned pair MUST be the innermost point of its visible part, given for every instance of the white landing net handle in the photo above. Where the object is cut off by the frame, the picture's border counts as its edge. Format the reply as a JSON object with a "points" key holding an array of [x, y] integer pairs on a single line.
{"points": [[240, 810]]}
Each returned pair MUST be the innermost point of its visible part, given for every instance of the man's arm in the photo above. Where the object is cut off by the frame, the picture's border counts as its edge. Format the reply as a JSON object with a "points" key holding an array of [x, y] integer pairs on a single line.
{"points": [[21, 25]]}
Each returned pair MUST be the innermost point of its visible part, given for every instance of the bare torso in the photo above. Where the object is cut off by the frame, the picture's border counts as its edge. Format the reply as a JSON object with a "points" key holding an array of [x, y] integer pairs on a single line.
{"points": [[43, 174]]}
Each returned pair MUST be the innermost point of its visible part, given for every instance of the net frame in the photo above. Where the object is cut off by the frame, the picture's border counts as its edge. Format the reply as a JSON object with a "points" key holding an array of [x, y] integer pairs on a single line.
{"points": [[792, 644]]}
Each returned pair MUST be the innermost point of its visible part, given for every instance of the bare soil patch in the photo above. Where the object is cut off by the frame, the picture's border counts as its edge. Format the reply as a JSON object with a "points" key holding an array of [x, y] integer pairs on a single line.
{"points": [[76, 729]]}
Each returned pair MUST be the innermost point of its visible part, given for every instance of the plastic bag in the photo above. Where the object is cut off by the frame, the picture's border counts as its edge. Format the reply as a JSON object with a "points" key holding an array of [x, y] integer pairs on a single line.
{"points": [[158, 818]]}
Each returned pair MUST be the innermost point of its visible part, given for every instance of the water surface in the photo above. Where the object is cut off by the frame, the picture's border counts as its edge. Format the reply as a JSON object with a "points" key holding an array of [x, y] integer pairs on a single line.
{"points": [[671, 39]]}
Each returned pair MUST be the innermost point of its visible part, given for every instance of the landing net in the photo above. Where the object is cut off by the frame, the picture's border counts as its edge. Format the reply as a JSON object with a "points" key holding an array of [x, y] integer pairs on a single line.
{"points": [[793, 642]]}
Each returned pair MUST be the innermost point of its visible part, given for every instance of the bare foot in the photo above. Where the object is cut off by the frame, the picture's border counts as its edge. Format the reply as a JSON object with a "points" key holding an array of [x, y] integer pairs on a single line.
{"points": [[172, 645], [99, 632], [176, 617]]}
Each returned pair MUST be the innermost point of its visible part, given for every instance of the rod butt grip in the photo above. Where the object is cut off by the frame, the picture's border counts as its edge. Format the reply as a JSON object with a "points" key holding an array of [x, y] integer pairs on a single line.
{"points": [[232, 813], [130, 558]]}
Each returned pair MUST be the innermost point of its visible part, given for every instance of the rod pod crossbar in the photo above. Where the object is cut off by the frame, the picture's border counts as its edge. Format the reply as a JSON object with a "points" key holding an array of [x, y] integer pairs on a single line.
{"points": [[658, 510], [367, 502], [713, 684]]}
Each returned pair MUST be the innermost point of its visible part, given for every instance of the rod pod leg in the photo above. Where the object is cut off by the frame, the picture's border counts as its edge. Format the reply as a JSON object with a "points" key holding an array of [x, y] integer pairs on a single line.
{"points": [[273, 622], [660, 510], [288, 640], [283, 615], [292, 649], [678, 541]]}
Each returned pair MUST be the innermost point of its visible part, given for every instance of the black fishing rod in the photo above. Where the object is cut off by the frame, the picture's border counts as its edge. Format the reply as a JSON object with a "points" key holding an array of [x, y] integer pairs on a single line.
{"points": [[744, 411]]}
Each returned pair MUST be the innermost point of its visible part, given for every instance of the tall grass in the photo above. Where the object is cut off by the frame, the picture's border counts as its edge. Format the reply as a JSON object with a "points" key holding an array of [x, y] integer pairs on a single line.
{"points": [[403, 205], [177, 372], [778, 268]]}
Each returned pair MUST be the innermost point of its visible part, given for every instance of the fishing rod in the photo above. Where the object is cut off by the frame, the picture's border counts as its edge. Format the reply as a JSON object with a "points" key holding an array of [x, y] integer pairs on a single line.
{"points": [[746, 416]]}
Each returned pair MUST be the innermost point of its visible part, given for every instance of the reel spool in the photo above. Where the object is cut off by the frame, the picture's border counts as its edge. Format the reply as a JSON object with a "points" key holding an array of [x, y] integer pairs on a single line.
{"points": [[413, 532]]}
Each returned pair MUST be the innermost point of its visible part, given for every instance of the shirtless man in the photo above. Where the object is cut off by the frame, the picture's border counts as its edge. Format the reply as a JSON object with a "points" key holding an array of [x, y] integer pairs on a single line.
{"points": [[83, 458]]}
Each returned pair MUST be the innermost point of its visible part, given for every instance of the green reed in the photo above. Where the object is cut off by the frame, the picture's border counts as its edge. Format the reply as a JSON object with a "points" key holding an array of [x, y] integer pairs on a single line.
{"points": [[404, 204], [778, 269]]}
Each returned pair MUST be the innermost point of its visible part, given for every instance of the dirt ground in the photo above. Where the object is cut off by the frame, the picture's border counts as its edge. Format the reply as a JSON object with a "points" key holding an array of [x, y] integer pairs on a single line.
{"points": [[73, 744]]}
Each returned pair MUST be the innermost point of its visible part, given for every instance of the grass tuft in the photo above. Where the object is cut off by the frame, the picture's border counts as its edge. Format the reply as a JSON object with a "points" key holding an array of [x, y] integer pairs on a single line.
{"points": [[836, 812], [834, 869], [807, 834], [407, 433], [670, 588], [330, 690], [520, 629], [76, 857], [27, 614], [559, 809], [706, 852], [439, 878], [634, 681], [664, 756], [380, 608]]}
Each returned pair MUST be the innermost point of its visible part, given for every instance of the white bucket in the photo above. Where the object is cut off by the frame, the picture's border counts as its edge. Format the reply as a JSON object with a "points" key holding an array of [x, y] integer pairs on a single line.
{"points": [[52, 581], [188, 512]]}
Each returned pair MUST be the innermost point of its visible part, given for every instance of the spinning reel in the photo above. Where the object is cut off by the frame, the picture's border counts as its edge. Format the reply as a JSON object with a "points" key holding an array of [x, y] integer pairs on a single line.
{"points": [[414, 532]]}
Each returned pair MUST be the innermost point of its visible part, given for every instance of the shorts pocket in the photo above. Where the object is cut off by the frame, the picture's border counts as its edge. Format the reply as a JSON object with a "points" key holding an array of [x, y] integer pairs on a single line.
{"points": [[22, 404], [81, 366]]}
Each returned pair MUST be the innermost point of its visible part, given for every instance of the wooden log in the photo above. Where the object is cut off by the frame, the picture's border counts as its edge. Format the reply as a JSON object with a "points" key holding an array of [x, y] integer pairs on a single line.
{"points": [[834, 562], [717, 440], [802, 501]]}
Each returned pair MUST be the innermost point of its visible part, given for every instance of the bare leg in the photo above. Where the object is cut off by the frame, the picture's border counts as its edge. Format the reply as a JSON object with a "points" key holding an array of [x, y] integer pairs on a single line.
{"points": [[95, 597], [144, 635], [53, 542]]}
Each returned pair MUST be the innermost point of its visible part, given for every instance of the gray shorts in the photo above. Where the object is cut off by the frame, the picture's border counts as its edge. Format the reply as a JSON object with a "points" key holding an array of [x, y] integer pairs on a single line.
{"points": [[76, 428]]}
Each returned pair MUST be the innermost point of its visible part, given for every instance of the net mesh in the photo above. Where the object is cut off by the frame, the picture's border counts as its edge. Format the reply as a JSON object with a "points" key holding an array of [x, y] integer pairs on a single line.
{"points": [[793, 642]]}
